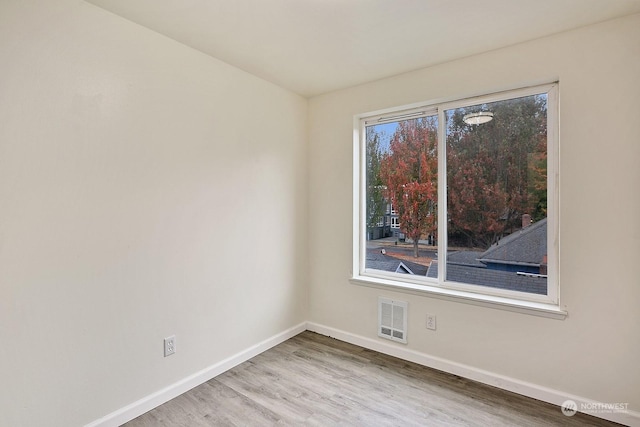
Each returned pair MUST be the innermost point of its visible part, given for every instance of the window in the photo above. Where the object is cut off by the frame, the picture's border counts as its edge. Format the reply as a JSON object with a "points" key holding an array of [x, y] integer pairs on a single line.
{"points": [[488, 165]]}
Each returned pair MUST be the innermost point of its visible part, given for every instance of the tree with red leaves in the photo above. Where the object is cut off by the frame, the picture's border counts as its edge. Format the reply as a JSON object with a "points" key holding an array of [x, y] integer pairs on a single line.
{"points": [[410, 173]]}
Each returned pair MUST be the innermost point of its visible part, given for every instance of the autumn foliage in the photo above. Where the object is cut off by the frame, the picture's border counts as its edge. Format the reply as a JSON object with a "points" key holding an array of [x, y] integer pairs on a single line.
{"points": [[496, 172], [409, 172]]}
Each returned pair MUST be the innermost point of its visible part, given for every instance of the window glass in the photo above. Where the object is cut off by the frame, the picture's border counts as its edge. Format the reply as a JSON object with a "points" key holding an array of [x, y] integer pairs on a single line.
{"points": [[497, 194], [402, 184]]}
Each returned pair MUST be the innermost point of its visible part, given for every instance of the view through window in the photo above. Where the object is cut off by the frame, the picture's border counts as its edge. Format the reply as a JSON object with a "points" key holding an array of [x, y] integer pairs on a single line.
{"points": [[494, 197]]}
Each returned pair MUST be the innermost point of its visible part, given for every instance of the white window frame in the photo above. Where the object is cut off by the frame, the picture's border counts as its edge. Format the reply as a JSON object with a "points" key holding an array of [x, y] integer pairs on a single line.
{"points": [[542, 305]]}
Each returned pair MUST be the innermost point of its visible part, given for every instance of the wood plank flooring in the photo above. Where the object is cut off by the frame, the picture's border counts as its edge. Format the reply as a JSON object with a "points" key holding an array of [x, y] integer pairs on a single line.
{"points": [[313, 380]]}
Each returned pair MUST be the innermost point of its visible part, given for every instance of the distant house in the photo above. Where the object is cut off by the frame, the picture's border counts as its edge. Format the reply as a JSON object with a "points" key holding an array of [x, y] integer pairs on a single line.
{"points": [[517, 262], [388, 225], [523, 251]]}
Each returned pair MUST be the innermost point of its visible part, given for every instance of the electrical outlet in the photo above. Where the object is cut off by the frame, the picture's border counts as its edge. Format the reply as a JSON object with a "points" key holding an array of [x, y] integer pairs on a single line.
{"points": [[169, 345], [431, 321]]}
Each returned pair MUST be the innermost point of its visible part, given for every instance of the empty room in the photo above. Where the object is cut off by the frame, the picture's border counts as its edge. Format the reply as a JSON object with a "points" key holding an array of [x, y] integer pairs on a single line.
{"points": [[319, 212]]}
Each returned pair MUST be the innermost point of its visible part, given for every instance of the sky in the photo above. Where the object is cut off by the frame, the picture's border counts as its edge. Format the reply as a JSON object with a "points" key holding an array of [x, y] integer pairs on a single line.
{"points": [[385, 130]]}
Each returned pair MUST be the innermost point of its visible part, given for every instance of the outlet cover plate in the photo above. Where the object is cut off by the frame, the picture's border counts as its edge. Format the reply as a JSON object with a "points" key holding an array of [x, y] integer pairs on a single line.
{"points": [[431, 322], [169, 345]]}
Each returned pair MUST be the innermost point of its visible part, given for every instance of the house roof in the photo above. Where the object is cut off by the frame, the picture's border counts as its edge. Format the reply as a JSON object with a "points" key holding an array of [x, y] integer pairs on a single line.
{"points": [[491, 278], [469, 258], [524, 247], [379, 261], [527, 246]]}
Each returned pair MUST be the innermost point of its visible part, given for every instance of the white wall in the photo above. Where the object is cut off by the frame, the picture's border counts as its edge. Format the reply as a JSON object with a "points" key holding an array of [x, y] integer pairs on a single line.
{"points": [[594, 353], [145, 190]]}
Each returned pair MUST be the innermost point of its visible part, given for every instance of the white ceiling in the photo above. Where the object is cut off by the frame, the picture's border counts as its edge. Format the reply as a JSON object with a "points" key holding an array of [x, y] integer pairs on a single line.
{"points": [[316, 46]]}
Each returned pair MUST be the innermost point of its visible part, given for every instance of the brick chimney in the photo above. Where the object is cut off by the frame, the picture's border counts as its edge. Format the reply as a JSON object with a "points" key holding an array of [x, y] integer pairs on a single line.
{"points": [[526, 220], [543, 265]]}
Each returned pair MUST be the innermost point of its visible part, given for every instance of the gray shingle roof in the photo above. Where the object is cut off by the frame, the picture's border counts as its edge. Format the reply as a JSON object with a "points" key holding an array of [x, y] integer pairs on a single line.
{"points": [[465, 258], [491, 278], [378, 261], [524, 247]]}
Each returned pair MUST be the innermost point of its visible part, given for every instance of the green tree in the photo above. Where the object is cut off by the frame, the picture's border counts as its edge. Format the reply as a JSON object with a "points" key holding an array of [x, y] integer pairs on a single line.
{"points": [[376, 201]]}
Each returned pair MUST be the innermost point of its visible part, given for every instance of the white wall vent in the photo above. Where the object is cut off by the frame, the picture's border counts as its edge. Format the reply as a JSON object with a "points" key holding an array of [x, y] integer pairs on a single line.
{"points": [[392, 320]]}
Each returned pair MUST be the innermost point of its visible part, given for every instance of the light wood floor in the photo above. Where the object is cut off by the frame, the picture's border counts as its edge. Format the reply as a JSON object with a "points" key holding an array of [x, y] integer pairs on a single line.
{"points": [[313, 380]]}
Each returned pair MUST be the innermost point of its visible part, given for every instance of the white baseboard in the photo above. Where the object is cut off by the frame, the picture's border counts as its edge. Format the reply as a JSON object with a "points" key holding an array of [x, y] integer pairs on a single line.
{"points": [[153, 400], [545, 394]]}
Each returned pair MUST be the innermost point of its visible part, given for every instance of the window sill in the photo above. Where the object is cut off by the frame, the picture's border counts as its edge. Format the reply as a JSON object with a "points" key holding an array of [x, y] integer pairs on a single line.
{"points": [[500, 303]]}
